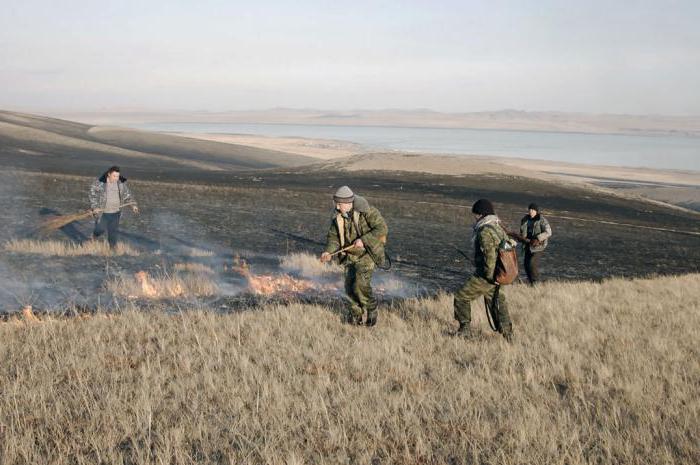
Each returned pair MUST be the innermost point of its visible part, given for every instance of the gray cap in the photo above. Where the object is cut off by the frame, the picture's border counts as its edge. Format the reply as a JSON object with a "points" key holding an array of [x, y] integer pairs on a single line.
{"points": [[344, 195]]}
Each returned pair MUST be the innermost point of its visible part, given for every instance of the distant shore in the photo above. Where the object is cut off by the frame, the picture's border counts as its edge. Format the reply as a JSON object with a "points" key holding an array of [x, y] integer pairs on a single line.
{"points": [[677, 187], [514, 120]]}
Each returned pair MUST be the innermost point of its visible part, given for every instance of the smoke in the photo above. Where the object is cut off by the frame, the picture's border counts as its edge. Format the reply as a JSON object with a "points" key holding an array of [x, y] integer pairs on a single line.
{"points": [[20, 211], [386, 283], [186, 254]]}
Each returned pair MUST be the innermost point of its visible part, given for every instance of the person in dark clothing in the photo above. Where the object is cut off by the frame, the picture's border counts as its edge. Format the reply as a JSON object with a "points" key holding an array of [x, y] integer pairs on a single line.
{"points": [[487, 234], [535, 232], [108, 194]]}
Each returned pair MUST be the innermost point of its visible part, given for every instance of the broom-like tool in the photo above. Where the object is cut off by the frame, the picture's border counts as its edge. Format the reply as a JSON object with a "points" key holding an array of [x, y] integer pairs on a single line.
{"points": [[54, 223]]}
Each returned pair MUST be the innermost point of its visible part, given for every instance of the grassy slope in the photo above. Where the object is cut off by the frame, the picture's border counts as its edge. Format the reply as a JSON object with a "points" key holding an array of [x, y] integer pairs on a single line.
{"points": [[45, 141], [600, 373]]}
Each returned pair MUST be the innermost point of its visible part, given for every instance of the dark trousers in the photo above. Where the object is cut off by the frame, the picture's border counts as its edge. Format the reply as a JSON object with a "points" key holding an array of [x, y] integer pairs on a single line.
{"points": [[109, 223], [532, 266]]}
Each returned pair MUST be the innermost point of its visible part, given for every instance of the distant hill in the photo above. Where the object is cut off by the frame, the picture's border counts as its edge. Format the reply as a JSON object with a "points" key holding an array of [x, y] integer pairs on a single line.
{"points": [[31, 141], [517, 120]]}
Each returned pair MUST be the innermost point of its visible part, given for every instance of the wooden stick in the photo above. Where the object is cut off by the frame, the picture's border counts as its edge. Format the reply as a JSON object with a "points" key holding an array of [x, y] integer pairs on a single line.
{"points": [[345, 249]]}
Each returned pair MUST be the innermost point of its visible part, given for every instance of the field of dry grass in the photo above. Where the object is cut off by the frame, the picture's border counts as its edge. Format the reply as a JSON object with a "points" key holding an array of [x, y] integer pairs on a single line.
{"points": [[308, 266], [599, 373], [186, 280], [53, 248]]}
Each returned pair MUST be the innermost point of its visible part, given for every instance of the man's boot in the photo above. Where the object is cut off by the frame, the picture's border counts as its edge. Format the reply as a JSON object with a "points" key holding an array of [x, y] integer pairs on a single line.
{"points": [[464, 331], [371, 320], [507, 333], [352, 319]]}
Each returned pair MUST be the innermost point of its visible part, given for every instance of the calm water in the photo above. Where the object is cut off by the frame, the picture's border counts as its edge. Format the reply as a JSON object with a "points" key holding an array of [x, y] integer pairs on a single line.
{"points": [[669, 152]]}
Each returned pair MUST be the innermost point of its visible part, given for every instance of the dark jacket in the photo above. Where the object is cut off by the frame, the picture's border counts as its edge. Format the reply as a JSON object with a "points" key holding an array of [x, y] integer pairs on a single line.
{"points": [[535, 228], [363, 222]]}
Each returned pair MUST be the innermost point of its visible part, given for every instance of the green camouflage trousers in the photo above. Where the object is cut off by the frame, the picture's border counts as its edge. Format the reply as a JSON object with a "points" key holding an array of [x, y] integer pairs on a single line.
{"points": [[475, 287], [358, 287]]}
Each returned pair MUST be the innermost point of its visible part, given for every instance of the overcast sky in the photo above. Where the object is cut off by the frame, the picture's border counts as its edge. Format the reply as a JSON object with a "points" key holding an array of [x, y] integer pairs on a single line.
{"points": [[591, 56]]}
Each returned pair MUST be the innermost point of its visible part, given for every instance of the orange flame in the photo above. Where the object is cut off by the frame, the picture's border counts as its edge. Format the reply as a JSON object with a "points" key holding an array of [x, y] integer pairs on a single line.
{"points": [[276, 284], [28, 315], [155, 290], [144, 281]]}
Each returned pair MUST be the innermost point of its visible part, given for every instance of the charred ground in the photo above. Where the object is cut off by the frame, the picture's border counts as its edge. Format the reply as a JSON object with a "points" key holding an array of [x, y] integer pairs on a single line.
{"points": [[266, 214], [233, 201]]}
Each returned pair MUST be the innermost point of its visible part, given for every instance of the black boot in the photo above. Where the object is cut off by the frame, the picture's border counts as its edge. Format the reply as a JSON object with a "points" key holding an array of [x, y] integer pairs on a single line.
{"points": [[371, 320], [464, 331]]}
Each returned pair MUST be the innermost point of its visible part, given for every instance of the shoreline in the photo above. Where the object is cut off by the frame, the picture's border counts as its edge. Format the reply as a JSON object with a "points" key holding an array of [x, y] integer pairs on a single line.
{"points": [[339, 149], [500, 120], [678, 188]]}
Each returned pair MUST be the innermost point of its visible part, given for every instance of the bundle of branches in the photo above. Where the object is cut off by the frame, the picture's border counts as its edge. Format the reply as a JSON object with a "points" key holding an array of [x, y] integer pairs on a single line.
{"points": [[54, 223]]}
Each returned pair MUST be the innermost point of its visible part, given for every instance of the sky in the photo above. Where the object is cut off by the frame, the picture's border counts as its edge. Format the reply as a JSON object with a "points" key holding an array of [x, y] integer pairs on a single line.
{"points": [[636, 57]]}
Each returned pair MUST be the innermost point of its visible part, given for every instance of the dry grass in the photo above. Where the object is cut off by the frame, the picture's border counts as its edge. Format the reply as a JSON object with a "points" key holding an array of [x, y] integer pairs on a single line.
{"points": [[67, 249], [599, 373], [57, 222], [194, 268], [308, 266], [195, 252], [164, 285]]}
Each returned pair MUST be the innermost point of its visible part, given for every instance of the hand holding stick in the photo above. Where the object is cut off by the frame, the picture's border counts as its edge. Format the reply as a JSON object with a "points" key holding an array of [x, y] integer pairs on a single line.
{"points": [[326, 256], [344, 249]]}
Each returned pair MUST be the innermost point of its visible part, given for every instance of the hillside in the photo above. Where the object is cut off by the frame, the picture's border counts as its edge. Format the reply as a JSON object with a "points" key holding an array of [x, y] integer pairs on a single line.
{"points": [[599, 373], [32, 142]]}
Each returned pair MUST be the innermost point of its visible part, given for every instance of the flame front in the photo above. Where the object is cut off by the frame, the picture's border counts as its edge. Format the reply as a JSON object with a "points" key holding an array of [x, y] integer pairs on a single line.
{"points": [[147, 289], [277, 284], [28, 314], [158, 289]]}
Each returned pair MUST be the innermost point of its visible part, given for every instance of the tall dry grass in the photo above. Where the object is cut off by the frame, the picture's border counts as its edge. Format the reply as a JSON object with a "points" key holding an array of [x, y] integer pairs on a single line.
{"points": [[67, 249], [194, 268], [188, 281], [599, 373], [195, 252], [308, 266]]}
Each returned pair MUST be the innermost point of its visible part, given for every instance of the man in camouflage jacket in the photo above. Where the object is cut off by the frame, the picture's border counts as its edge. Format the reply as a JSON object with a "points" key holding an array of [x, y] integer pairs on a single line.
{"points": [[355, 223], [107, 195], [487, 236]]}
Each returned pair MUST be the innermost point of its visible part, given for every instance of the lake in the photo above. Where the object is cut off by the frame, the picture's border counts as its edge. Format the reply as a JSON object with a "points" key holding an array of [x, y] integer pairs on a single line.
{"points": [[655, 151]]}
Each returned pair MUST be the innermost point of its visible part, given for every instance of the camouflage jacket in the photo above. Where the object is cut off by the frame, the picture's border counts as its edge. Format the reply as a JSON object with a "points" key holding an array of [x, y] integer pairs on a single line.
{"points": [[536, 228], [363, 222], [487, 239], [98, 197]]}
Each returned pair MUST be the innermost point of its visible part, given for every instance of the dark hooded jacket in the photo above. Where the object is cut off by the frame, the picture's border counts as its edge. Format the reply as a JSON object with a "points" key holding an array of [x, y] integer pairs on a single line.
{"points": [[362, 222]]}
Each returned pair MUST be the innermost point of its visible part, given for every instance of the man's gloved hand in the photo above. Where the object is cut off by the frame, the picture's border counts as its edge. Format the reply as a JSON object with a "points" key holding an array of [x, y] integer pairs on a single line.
{"points": [[325, 257], [535, 242]]}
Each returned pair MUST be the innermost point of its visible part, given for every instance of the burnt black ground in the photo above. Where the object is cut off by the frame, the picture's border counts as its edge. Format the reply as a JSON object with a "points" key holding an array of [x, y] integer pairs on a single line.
{"points": [[269, 213], [251, 208]]}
